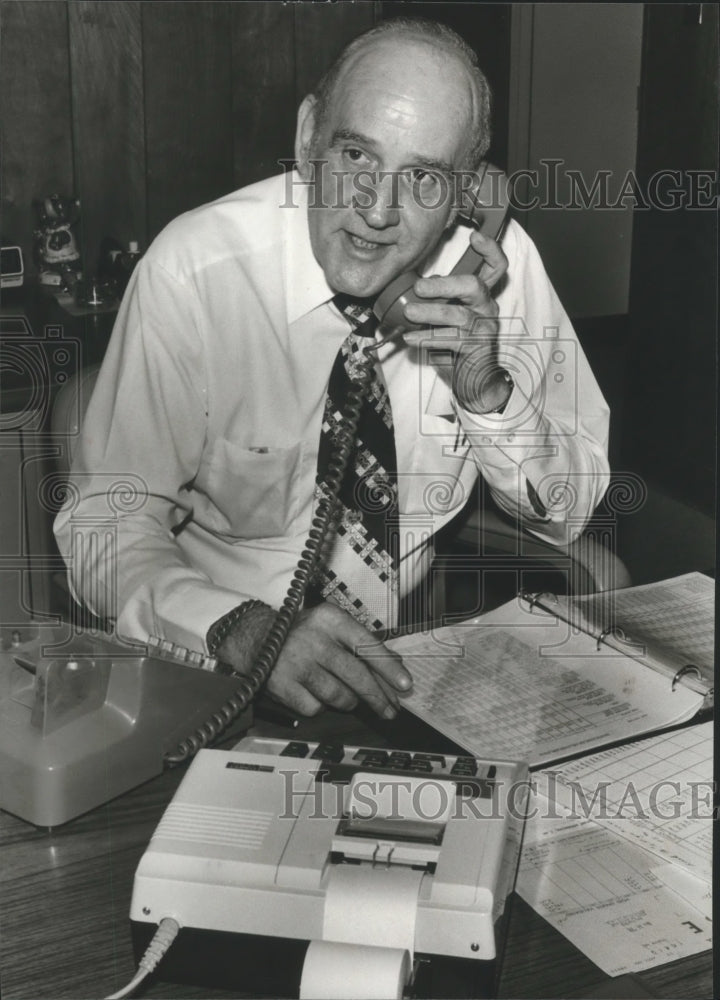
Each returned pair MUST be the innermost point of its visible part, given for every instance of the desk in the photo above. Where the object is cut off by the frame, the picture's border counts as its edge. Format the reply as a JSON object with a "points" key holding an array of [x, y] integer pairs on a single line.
{"points": [[65, 898]]}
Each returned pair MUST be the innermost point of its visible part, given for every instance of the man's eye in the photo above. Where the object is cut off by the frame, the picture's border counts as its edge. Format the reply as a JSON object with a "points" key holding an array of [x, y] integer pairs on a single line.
{"points": [[424, 177], [354, 155]]}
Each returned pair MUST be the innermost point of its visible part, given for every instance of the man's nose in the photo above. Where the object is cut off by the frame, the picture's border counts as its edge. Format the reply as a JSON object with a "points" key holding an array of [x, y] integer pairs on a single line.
{"points": [[377, 202]]}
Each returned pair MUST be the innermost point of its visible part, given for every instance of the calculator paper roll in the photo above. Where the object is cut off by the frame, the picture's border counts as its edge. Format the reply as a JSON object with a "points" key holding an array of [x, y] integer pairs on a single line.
{"points": [[353, 972], [373, 906]]}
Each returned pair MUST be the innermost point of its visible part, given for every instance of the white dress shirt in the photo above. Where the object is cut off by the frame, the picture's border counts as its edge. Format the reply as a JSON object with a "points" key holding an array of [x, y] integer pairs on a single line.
{"points": [[193, 478]]}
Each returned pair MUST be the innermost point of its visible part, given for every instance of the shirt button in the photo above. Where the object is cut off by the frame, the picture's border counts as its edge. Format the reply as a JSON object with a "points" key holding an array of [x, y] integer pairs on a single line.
{"points": [[510, 437], [486, 440]]}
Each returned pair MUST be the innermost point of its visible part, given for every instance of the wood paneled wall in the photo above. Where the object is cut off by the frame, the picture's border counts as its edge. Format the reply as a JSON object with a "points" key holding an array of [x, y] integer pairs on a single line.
{"points": [[145, 109], [671, 391]]}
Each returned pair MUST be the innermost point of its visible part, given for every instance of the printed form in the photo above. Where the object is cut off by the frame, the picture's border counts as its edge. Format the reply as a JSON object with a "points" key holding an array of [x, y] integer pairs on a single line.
{"points": [[607, 897], [599, 878], [656, 793]]}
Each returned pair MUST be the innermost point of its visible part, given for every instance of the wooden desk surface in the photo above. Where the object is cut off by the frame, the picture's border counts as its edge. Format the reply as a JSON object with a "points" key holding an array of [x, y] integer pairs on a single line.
{"points": [[65, 898]]}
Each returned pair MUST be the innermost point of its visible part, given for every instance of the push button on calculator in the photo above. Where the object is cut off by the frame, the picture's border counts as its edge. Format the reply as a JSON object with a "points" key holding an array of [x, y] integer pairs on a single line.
{"points": [[374, 758], [363, 752], [433, 757], [295, 749], [329, 751], [465, 767]]}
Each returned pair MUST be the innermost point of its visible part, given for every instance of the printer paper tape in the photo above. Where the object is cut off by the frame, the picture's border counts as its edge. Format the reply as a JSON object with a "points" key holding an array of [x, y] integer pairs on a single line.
{"points": [[353, 972], [375, 906]]}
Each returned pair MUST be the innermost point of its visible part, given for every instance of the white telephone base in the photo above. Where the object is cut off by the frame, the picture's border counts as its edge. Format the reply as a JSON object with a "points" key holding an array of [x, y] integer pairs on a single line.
{"points": [[84, 718]]}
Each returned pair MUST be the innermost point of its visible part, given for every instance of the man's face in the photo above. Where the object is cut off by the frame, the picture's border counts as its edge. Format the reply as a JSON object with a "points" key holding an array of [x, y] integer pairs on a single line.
{"points": [[398, 122]]}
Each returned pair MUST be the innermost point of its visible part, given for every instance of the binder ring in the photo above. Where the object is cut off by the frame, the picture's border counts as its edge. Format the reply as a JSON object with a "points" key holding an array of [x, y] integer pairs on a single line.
{"points": [[684, 670], [534, 599], [617, 632]]}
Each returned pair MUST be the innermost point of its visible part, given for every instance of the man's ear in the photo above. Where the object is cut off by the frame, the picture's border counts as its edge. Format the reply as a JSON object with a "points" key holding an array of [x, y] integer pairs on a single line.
{"points": [[304, 135]]}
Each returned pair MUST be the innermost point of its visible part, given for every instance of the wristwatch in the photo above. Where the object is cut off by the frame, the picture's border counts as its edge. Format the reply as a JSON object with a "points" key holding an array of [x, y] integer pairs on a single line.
{"points": [[478, 381], [510, 383]]}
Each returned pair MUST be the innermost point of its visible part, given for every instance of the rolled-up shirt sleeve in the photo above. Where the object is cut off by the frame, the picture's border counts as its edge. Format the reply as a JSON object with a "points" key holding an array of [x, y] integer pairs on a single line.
{"points": [[545, 456]]}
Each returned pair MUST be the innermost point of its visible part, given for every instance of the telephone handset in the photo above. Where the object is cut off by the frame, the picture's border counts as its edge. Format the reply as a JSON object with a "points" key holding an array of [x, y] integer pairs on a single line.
{"points": [[484, 204]]}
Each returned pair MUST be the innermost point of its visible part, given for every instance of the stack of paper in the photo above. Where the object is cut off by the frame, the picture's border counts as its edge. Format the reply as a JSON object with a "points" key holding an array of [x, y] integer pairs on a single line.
{"points": [[617, 851]]}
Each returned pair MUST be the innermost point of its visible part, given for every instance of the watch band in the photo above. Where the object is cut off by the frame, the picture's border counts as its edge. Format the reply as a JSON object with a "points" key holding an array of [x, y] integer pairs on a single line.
{"points": [[219, 630]]}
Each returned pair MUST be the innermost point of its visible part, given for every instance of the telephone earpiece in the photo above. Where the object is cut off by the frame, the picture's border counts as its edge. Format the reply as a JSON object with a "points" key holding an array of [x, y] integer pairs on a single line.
{"points": [[485, 205]]}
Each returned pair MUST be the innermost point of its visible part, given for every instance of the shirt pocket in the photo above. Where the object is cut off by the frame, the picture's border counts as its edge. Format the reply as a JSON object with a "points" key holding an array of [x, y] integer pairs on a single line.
{"points": [[248, 492]]}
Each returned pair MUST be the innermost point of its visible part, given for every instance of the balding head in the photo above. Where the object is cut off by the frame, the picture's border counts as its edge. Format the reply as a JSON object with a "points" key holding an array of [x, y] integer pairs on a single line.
{"points": [[447, 44]]}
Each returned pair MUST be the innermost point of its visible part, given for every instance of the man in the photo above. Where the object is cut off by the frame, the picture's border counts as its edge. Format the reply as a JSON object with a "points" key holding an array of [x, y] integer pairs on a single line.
{"points": [[212, 394]]}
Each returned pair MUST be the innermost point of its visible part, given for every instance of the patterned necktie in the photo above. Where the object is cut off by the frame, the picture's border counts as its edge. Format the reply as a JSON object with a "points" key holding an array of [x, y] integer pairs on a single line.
{"points": [[359, 568]]}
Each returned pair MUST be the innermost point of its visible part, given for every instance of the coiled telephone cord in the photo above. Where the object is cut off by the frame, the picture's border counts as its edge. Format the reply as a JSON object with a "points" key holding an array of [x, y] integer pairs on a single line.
{"points": [[248, 686]]}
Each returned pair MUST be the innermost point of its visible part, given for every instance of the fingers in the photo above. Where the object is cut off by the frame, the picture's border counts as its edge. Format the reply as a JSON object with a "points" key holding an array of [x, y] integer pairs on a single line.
{"points": [[463, 286], [460, 300], [366, 684], [479, 319], [330, 659], [351, 636], [496, 263], [338, 683], [469, 289], [390, 691], [385, 666], [309, 689], [294, 695]]}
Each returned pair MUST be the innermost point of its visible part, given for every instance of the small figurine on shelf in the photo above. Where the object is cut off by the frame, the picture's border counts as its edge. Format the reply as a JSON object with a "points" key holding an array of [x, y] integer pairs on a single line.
{"points": [[117, 264], [55, 246], [125, 264]]}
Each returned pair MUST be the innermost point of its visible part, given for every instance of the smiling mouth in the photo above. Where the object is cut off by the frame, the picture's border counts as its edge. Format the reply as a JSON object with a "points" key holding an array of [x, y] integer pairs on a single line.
{"points": [[361, 244]]}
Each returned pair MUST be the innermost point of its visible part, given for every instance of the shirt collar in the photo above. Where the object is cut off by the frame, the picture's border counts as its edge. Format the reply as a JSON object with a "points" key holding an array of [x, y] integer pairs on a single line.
{"points": [[307, 287]]}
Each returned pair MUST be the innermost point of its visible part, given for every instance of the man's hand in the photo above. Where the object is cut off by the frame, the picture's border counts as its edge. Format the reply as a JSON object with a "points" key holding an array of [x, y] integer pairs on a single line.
{"points": [[465, 322], [328, 659]]}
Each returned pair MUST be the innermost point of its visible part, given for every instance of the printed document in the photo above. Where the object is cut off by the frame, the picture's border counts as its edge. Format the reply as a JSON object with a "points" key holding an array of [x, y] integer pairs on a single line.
{"points": [[606, 896], [526, 686], [656, 793]]}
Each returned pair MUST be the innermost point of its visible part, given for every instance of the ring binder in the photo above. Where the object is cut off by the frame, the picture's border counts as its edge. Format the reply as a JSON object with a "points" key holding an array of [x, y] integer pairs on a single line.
{"points": [[643, 626], [684, 670]]}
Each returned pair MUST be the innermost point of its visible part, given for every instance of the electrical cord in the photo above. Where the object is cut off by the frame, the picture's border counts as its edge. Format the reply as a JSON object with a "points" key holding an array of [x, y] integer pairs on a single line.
{"points": [[164, 936], [321, 524]]}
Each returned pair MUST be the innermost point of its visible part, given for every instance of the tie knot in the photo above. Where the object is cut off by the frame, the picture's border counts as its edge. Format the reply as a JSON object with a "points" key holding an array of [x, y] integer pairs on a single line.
{"points": [[358, 312]]}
